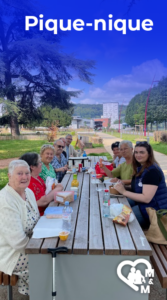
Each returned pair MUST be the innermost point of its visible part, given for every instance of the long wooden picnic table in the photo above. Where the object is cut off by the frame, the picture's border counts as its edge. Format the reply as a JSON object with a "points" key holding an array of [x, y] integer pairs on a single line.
{"points": [[95, 245]]}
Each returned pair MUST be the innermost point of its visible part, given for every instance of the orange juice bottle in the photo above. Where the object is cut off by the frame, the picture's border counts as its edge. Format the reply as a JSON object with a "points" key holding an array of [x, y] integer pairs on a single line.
{"points": [[75, 183]]}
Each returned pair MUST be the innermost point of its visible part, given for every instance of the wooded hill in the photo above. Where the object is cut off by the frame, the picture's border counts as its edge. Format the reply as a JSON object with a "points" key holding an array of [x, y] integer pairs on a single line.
{"points": [[92, 111], [157, 106]]}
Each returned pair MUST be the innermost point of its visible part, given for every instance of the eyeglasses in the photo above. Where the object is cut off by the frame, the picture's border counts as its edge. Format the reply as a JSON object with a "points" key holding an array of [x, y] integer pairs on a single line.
{"points": [[141, 143], [123, 149], [59, 146], [69, 139]]}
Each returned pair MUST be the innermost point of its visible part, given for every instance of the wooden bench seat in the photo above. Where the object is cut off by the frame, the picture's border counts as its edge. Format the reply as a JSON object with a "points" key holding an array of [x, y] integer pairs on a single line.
{"points": [[9, 281], [159, 262]]}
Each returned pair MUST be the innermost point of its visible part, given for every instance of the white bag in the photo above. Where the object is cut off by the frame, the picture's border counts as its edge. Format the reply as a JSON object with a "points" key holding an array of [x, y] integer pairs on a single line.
{"points": [[49, 182], [116, 209]]}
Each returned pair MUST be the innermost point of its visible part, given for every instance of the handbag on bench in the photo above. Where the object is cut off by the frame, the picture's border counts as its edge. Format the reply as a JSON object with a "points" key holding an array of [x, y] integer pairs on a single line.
{"points": [[157, 232]]}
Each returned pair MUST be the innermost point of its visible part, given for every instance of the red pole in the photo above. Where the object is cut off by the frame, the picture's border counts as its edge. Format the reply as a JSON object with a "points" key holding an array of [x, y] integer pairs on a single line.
{"points": [[146, 107]]}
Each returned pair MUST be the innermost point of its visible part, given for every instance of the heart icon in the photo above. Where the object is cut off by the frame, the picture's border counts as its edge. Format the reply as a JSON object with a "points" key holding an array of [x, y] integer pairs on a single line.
{"points": [[133, 264]]}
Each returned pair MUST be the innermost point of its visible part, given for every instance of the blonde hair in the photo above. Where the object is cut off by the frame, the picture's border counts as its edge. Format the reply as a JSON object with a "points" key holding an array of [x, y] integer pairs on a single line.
{"points": [[46, 146]]}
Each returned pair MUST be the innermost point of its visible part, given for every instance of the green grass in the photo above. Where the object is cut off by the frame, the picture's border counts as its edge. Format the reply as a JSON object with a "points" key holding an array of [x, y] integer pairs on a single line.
{"points": [[16, 148], [3, 177], [157, 146]]}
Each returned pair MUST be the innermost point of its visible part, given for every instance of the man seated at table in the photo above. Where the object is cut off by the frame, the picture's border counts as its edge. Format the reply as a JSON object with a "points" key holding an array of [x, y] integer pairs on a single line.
{"points": [[70, 149], [125, 170], [64, 142], [118, 158], [59, 162]]}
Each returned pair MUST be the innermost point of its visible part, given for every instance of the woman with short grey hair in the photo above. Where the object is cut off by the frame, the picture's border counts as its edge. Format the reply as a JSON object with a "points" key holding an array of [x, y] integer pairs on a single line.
{"points": [[18, 216]]}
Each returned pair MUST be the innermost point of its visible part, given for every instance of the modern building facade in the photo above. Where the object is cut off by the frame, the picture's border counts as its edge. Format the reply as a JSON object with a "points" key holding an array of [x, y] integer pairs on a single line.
{"points": [[111, 111]]}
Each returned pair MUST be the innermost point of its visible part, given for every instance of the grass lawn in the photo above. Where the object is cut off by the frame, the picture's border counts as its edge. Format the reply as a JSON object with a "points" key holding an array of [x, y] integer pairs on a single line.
{"points": [[109, 157], [157, 146], [4, 172], [16, 148], [3, 177]]}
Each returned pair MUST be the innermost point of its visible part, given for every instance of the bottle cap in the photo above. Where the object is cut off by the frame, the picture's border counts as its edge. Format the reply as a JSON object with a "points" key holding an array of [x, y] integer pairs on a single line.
{"points": [[75, 176], [66, 203], [106, 191]]}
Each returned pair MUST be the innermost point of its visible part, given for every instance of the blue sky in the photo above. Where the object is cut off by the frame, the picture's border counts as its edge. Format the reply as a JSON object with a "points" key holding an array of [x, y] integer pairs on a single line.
{"points": [[125, 64]]}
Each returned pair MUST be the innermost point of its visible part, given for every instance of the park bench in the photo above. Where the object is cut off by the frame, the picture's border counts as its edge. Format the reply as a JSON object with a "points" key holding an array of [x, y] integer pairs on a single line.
{"points": [[159, 262], [9, 281]]}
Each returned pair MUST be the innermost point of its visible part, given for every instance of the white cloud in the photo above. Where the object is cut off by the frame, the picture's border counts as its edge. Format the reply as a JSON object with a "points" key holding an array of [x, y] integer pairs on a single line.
{"points": [[124, 87]]}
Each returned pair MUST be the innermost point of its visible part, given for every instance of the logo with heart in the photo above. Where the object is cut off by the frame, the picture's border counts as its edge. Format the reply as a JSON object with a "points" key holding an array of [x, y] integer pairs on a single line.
{"points": [[135, 276]]}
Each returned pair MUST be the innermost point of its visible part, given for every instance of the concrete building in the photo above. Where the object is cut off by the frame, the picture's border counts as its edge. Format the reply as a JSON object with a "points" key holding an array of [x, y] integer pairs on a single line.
{"points": [[78, 122], [111, 110], [102, 122], [1, 106]]}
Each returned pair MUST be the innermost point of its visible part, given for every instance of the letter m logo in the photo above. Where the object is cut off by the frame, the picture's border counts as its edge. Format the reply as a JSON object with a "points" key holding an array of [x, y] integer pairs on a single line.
{"points": [[145, 290], [149, 273]]}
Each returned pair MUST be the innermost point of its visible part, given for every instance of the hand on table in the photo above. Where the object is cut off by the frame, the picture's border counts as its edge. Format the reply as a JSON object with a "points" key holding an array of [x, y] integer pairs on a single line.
{"points": [[119, 187], [114, 180]]}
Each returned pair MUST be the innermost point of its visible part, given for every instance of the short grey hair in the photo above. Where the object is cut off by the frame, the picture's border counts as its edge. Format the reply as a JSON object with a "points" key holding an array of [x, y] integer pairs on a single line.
{"points": [[55, 142], [46, 146], [129, 143], [68, 135], [17, 163]]}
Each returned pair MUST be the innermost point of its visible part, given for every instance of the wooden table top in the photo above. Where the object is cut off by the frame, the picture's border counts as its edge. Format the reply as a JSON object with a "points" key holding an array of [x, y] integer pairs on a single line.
{"points": [[91, 233]]}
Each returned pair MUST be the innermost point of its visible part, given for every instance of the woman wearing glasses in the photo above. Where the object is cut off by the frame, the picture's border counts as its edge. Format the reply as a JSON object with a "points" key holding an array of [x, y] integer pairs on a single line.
{"points": [[148, 184], [37, 184], [59, 162]]}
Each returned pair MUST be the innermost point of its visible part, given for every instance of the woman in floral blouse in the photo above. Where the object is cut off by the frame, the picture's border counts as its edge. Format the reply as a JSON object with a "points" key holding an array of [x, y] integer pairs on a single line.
{"points": [[37, 184]]}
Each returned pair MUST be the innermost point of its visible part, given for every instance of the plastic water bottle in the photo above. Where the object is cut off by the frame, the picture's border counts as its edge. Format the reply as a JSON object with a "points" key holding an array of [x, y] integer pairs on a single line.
{"points": [[106, 204], [84, 154], [66, 217]]}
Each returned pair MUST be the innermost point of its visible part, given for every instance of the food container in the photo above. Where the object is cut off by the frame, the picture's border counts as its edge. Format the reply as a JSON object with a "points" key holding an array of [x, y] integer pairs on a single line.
{"points": [[63, 235], [113, 191]]}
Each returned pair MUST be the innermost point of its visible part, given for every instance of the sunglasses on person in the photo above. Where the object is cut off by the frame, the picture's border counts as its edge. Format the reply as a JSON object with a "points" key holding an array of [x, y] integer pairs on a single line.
{"points": [[59, 146], [142, 143]]}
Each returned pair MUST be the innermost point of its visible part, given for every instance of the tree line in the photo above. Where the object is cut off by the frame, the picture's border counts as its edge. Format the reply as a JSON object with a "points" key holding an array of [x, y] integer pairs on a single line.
{"points": [[157, 106]]}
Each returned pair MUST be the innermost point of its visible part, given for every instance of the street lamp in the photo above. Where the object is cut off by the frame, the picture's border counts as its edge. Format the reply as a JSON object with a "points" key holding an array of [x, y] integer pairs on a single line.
{"points": [[147, 105]]}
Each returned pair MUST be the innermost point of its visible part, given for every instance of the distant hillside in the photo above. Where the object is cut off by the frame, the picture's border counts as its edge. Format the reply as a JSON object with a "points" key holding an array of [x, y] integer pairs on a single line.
{"points": [[88, 111], [92, 111]]}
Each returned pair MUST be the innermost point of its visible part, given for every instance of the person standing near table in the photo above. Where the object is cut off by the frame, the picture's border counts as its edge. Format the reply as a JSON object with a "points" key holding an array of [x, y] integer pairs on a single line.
{"points": [[59, 162], [148, 184], [70, 149]]}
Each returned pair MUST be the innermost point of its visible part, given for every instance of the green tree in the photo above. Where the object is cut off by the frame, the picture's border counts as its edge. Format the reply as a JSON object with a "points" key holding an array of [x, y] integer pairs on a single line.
{"points": [[50, 116], [33, 66]]}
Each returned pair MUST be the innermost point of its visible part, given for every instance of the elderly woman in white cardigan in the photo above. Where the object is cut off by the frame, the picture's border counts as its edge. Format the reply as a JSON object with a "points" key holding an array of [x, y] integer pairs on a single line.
{"points": [[18, 216]]}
